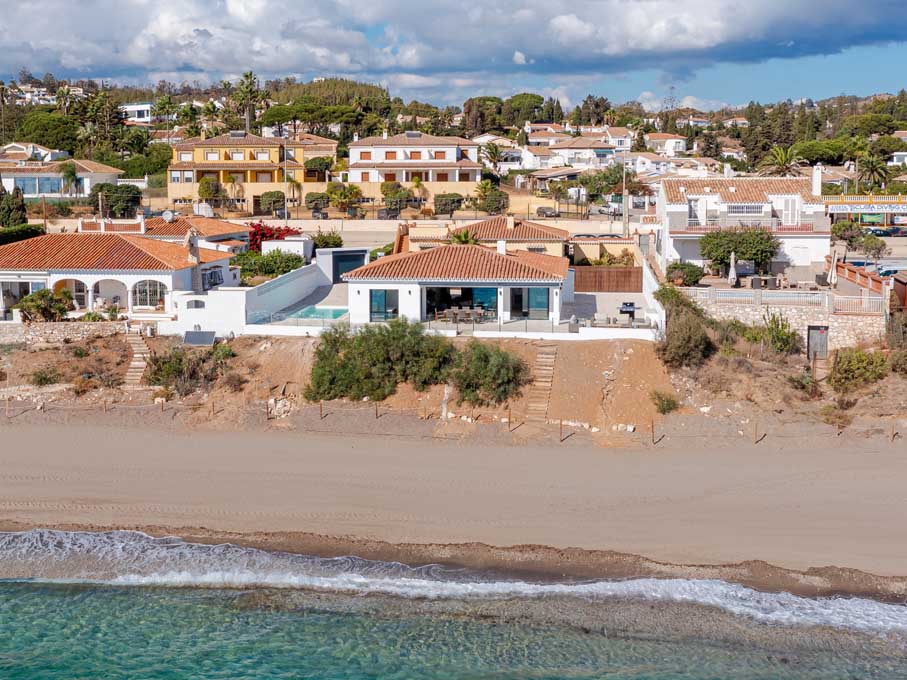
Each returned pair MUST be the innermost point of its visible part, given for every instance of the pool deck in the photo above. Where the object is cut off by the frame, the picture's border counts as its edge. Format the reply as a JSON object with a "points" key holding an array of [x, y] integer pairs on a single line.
{"points": [[324, 296]]}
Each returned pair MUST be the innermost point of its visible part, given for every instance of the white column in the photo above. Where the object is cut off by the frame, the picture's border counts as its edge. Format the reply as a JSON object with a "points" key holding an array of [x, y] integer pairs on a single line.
{"points": [[90, 297], [129, 299]]}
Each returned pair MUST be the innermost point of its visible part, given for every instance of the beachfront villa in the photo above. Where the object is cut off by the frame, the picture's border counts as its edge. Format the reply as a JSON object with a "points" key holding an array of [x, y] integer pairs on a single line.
{"points": [[471, 281], [134, 273]]}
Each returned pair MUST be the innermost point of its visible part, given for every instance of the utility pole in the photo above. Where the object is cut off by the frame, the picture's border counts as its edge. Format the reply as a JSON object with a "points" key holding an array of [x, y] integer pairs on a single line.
{"points": [[286, 184], [626, 213]]}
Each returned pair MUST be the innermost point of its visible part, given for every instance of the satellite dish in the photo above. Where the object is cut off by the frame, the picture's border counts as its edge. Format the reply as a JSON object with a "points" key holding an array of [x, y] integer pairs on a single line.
{"points": [[204, 210], [167, 215]]}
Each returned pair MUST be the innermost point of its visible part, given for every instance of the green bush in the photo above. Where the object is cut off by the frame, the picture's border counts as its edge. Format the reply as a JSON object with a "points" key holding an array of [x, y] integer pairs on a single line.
{"points": [[120, 200], [898, 361], [804, 382], [448, 203], [372, 362], [185, 371], [691, 274], [487, 374], [749, 244], [275, 263], [317, 199], [79, 352], [20, 233], [327, 239], [664, 403], [45, 376], [674, 301], [686, 342], [272, 200], [92, 317], [45, 305], [779, 334], [854, 368]]}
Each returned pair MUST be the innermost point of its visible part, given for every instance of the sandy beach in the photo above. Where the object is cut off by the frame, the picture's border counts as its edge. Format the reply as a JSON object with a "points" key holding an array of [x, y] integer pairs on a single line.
{"points": [[569, 511]]}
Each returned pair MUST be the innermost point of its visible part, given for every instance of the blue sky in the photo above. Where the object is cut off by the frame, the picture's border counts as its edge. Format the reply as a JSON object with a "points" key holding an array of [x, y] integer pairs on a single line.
{"points": [[713, 52]]}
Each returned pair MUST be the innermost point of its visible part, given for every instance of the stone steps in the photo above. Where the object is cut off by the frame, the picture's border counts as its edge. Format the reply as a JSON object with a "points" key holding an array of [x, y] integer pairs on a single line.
{"points": [[540, 390], [135, 372]]}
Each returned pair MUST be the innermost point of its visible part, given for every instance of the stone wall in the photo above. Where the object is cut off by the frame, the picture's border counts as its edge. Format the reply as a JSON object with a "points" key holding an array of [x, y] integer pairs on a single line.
{"points": [[844, 330], [57, 333]]}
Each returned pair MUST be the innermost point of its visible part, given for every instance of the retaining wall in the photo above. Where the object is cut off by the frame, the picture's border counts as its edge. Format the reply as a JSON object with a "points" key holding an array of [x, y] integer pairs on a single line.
{"points": [[55, 333]]}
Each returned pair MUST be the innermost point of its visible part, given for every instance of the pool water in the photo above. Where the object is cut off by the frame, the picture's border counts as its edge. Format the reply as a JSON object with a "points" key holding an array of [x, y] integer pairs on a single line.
{"points": [[312, 312]]}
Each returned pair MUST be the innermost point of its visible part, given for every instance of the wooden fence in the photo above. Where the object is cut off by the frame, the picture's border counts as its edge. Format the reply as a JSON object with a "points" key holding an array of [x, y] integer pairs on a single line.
{"points": [[607, 279]]}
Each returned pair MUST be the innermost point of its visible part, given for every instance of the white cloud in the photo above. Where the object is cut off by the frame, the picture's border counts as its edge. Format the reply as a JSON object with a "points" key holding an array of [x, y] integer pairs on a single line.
{"points": [[652, 102], [569, 28], [519, 58]]}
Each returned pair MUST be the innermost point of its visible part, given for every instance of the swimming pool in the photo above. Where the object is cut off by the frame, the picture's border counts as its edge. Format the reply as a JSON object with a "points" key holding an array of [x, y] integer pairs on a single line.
{"points": [[312, 312]]}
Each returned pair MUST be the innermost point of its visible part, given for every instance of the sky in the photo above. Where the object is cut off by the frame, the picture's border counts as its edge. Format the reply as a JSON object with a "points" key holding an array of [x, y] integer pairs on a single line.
{"points": [[709, 53]]}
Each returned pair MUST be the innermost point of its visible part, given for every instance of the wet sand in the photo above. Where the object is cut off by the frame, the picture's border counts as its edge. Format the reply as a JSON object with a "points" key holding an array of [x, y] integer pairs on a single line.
{"points": [[770, 517]]}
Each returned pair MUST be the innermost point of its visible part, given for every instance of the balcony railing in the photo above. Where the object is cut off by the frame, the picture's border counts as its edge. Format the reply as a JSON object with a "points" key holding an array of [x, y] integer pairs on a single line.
{"points": [[772, 224], [838, 304]]}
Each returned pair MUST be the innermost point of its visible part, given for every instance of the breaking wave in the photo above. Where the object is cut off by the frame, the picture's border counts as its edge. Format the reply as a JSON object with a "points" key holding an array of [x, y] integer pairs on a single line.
{"points": [[128, 558]]}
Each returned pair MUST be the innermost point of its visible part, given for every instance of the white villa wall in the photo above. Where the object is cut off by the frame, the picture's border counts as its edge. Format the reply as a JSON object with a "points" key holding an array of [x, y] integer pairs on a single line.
{"points": [[411, 300], [304, 247], [273, 296]]}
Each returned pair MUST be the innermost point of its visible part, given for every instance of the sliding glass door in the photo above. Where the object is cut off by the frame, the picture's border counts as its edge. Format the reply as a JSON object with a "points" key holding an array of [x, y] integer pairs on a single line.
{"points": [[538, 303], [384, 305]]}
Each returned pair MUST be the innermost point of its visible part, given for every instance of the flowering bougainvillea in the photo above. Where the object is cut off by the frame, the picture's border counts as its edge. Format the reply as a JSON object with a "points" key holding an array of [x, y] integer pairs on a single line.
{"points": [[259, 232]]}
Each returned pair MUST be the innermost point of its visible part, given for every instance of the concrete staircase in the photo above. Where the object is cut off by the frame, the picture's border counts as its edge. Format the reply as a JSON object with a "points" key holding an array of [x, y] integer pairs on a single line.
{"points": [[137, 366], [540, 390]]}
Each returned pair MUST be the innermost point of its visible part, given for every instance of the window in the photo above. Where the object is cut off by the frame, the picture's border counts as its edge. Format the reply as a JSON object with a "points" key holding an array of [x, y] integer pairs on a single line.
{"points": [[50, 185], [364, 177], [390, 177], [440, 155], [744, 209], [28, 185], [175, 176], [536, 249], [415, 155], [212, 278], [441, 177], [187, 176], [262, 176], [262, 155], [383, 305], [365, 155], [186, 155], [195, 304], [289, 153], [237, 156], [37, 285], [390, 155], [148, 294], [212, 156]]}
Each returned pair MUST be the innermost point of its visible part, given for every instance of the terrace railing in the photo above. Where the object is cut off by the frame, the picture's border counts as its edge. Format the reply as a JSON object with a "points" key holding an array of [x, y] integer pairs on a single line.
{"points": [[837, 304], [771, 224]]}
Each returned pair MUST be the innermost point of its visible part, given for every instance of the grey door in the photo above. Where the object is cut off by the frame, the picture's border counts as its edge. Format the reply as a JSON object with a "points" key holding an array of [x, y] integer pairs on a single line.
{"points": [[817, 342], [344, 262]]}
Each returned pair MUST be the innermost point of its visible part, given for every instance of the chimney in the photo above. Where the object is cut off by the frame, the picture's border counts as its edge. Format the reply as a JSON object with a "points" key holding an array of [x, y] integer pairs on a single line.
{"points": [[510, 222], [102, 225], [817, 179], [384, 134], [141, 222], [355, 136], [80, 227], [194, 258], [502, 247]]}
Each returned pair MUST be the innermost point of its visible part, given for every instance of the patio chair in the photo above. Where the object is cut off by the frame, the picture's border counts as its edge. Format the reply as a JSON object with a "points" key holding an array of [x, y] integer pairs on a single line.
{"points": [[454, 315]]}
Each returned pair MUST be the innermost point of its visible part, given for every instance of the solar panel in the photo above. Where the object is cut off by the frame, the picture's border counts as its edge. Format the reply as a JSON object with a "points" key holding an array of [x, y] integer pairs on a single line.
{"points": [[199, 338]]}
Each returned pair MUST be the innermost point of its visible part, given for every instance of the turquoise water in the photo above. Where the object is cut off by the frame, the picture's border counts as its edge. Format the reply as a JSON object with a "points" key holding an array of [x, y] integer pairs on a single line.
{"points": [[107, 606], [318, 313], [68, 631]]}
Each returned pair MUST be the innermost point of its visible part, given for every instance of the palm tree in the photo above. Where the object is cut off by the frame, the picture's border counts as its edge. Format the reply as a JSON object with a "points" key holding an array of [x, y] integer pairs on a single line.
{"points": [[87, 136], [873, 170], [494, 155], [781, 162], [463, 237], [246, 96], [558, 191], [70, 176], [64, 99], [164, 108]]}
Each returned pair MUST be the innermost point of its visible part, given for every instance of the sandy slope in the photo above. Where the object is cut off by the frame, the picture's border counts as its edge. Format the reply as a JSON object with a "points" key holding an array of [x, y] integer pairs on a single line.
{"points": [[800, 507]]}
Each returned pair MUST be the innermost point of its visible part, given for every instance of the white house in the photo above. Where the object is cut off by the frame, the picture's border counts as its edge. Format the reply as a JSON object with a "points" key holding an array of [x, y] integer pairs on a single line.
{"points": [[423, 285], [441, 164], [643, 162], [583, 152], [538, 157], [138, 113], [29, 152], [736, 121], [37, 178], [790, 208], [621, 138], [134, 273], [489, 138], [546, 138], [665, 143], [898, 158]]}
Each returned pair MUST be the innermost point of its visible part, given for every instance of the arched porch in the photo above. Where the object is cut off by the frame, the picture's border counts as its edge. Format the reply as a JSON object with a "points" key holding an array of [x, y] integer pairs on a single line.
{"points": [[109, 293], [78, 289], [149, 294]]}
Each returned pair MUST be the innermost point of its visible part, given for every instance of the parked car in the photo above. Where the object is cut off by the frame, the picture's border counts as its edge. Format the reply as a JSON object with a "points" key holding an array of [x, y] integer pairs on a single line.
{"points": [[897, 231], [879, 231], [388, 214], [319, 214], [546, 211]]}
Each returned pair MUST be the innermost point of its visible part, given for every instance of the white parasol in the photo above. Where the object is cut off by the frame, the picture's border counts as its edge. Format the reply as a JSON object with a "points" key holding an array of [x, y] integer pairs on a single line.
{"points": [[732, 270], [833, 271]]}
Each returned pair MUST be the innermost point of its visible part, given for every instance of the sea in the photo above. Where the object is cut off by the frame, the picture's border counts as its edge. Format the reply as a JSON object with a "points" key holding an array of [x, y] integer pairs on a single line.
{"points": [[111, 605]]}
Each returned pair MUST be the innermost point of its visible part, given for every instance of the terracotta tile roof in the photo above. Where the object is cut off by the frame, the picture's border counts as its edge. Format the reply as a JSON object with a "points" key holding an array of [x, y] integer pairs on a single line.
{"points": [[617, 131], [540, 150], [413, 139], [469, 263], [206, 226], [228, 140], [233, 165], [662, 136], [495, 229], [544, 134], [232, 243], [307, 139], [92, 252], [739, 189], [112, 227], [53, 167]]}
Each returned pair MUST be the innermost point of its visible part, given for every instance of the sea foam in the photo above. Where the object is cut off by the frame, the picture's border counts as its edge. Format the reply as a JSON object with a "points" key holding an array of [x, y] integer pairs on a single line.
{"points": [[127, 558]]}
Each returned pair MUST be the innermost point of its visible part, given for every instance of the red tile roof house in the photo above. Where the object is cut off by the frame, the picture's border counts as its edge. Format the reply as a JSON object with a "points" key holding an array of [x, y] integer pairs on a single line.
{"points": [[507, 285], [135, 273], [212, 233]]}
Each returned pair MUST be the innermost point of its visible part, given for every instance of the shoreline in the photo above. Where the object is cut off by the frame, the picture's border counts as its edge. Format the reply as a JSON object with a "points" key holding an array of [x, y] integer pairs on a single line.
{"points": [[534, 563], [770, 517]]}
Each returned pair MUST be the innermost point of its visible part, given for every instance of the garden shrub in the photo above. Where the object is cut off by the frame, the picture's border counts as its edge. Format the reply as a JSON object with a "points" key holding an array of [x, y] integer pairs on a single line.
{"points": [[327, 239], [674, 301], [664, 403], [45, 376], [274, 263], [20, 233], [234, 382], [272, 200], [898, 361], [317, 200], [92, 317], [691, 274], [185, 371], [804, 382], [46, 305], [487, 374], [778, 333], [686, 342], [854, 368]]}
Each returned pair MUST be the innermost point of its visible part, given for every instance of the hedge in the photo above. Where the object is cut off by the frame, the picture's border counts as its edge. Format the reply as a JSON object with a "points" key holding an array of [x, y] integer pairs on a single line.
{"points": [[20, 233]]}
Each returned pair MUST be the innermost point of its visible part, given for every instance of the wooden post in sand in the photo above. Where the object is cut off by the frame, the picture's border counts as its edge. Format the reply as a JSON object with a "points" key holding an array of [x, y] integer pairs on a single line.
{"points": [[376, 410], [755, 430], [162, 405], [562, 431], [509, 418], [7, 407], [653, 431], [105, 406], [321, 410]]}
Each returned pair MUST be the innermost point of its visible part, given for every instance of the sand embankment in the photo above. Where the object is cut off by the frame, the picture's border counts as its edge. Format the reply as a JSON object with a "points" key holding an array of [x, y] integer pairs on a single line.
{"points": [[797, 507]]}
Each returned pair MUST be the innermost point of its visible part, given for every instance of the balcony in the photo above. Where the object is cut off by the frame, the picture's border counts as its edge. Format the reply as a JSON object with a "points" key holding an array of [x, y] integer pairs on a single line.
{"points": [[772, 224]]}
